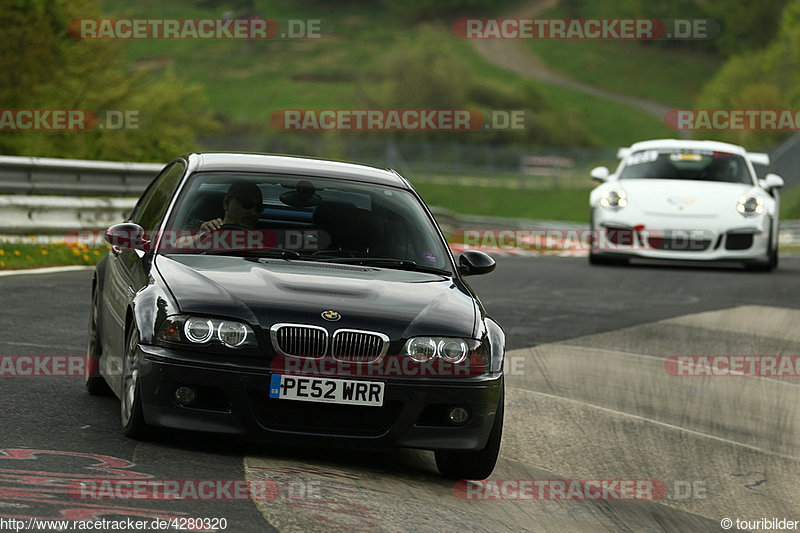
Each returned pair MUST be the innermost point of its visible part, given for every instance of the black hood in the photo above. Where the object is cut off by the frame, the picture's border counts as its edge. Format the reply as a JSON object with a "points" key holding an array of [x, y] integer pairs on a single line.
{"points": [[398, 303]]}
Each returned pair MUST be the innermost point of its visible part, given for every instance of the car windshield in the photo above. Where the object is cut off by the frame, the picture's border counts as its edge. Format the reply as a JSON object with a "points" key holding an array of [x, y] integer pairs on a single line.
{"points": [[304, 218], [676, 164]]}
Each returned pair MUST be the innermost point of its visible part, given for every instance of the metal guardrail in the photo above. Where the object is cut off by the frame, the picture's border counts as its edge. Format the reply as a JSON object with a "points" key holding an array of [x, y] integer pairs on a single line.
{"points": [[74, 177], [59, 215], [471, 165], [90, 196]]}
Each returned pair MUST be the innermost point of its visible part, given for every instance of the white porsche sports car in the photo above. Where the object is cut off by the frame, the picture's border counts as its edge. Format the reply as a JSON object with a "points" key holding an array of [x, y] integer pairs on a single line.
{"points": [[686, 200]]}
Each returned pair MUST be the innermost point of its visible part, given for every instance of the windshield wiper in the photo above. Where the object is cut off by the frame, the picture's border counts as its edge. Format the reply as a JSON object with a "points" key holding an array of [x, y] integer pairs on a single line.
{"points": [[281, 253], [388, 262]]}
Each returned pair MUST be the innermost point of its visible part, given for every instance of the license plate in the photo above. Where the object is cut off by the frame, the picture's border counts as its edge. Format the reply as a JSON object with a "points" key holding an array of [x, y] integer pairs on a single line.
{"points": [[327, 390]]}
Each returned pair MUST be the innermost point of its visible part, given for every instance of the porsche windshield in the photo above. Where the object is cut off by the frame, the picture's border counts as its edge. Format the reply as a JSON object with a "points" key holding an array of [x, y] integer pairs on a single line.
{"points": [[305, 218], [686, 165]]}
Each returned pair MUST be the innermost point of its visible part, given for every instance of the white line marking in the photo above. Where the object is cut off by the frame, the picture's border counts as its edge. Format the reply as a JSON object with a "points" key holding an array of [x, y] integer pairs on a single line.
{"points": [[662, 359], [664, 424], [47, 270]]}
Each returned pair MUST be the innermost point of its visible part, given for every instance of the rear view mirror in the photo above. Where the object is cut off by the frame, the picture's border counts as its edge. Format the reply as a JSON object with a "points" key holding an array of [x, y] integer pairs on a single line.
{"points": [[126, 236], [599, 173], [772, 181], [474, 262]]}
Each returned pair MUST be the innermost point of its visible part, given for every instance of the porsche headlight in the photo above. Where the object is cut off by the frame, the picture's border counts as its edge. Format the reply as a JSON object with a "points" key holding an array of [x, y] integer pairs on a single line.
{"points": [[204, 331], [750, 205], [614, 199]]}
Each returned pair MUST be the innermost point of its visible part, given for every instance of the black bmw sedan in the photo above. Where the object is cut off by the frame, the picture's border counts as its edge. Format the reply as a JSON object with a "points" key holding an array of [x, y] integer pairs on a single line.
{"points": [[296, 299]]}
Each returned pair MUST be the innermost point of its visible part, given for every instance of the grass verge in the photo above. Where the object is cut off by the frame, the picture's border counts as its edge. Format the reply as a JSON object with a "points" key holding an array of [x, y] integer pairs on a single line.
{"points": [[610, 123], [671, 75], [19, 256], [553, 204], [790, 204]]}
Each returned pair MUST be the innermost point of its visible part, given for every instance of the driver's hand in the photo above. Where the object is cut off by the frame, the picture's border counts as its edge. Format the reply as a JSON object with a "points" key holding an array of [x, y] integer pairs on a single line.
{"points": [[211, 225]]}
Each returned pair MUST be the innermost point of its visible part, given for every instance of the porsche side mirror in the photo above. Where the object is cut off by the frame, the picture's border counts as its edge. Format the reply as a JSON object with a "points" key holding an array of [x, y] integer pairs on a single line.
{"points": [[127, 236], [599, 173], [474, 262], [771, 181]]}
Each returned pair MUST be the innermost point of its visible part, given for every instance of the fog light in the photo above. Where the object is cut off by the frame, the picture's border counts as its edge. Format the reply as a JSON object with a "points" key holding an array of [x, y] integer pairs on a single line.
{"points": [[184, 395], [458, 416]]}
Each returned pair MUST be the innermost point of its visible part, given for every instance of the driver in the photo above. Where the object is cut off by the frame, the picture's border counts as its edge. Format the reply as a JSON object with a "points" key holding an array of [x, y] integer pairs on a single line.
{"points": [[723, 170], [242, 206]]}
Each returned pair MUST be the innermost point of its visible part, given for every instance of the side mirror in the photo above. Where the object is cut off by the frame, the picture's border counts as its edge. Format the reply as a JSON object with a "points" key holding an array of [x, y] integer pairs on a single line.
{"points": [[126, 236], [599, 173], [771, 181], [474, 262]]}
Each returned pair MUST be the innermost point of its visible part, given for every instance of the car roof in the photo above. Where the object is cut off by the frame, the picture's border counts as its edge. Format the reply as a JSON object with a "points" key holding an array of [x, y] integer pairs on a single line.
{"points": [[301, 166], [715, 146]]}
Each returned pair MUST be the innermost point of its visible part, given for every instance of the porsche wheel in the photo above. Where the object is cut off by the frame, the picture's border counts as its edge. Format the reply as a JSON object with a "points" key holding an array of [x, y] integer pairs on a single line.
{"points": [[771, 262]]}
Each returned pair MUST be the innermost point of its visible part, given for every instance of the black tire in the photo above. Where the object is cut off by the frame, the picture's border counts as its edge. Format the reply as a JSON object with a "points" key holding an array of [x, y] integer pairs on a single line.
{"points": [[595, 259], [771, 262], [94, 382], [474, 464], [131, 415]]}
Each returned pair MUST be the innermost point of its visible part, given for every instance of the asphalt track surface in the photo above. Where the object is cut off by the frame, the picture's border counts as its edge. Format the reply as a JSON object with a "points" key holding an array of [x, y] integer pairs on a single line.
{"points": [[588, 398]]}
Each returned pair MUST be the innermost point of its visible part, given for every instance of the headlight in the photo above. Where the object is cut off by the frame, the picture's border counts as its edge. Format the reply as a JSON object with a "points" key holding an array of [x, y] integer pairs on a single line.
{"points": [[232, 334], [204, 331], [450, 349], [199, 330], [420, 349], [614, 199], [751, 205]]}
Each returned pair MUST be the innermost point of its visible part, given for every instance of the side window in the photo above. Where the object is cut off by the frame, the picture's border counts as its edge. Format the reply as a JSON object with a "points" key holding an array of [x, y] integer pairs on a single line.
{"points": [[152, 206]]}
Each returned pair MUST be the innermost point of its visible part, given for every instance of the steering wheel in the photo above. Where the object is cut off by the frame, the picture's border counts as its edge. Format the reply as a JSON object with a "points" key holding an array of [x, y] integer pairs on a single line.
{"points": [[234, 226]]}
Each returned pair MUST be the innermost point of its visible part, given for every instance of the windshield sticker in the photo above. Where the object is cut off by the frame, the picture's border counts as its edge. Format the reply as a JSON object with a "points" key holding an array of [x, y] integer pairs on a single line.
{"points": [[684, 156], [430, 257], [685, 151], [645, 156]]}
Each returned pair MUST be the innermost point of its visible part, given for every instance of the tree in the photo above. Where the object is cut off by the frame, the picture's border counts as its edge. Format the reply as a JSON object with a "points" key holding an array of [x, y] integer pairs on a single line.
{"points": [[429, 73], [47, 69], [762, 79]]}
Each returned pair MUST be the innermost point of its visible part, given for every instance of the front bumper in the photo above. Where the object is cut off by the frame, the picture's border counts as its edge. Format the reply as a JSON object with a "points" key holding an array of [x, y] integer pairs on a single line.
{"points": [[680, 238], [235, 400]]}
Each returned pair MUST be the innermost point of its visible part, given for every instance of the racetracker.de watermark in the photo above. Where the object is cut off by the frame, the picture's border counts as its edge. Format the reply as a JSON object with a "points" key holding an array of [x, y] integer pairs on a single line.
{"points": [[42, 365], [733, 119], [398, 120], [604, 239], [196, 29], [386, 366], [773, 366], [195, 240], [174, 489], [69, 119], [625, 29], [560, 490]]}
